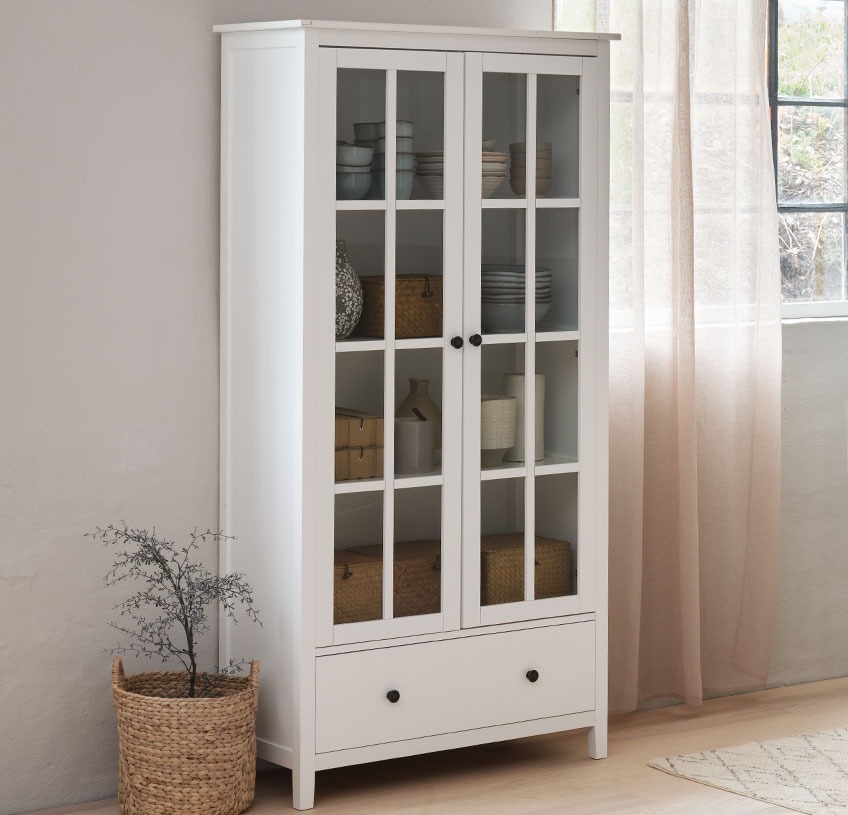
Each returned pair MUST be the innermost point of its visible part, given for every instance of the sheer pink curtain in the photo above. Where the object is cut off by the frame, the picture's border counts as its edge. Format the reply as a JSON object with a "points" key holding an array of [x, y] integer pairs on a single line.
{"points": [[695, 347]]}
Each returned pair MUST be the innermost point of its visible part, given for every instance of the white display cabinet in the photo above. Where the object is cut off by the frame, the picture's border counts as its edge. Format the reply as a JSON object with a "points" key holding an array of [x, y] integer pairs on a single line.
{"points": [[406, 613]]}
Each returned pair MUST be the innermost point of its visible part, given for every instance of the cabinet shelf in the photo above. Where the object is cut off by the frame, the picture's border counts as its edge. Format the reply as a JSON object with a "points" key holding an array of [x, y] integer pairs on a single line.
{"points": [[419, 342], [551, 464], [557, 203], [503, 339], [557, 335], [555, 463], [408, 482], [360, 205], [414, 204], [365, 485], [345, 346]]}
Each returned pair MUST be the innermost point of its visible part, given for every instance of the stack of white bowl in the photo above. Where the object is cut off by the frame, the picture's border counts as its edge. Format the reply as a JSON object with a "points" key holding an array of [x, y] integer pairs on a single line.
{"points": [[430, 169], [373, 134], [503, 295], [518, 168], [353, 171], [494, 168]]}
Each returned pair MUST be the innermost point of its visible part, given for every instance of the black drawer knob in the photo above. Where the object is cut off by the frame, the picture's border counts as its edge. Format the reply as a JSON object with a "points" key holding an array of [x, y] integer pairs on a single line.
{"points": [[533, 675], [393, 696], [456, 342], [476, 340]]}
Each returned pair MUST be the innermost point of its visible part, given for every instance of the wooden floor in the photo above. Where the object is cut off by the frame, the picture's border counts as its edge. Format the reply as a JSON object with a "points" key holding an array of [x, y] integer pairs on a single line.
{"points": [[552, 775]]}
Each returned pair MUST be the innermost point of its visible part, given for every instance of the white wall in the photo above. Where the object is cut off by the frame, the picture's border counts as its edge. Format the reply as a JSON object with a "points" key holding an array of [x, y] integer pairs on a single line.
{"points": [[811, 626], [108, 329]]}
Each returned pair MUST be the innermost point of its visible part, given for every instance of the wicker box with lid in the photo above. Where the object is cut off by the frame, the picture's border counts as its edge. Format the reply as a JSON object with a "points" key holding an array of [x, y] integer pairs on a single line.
{"points": [[357, 587], [358, 581], [417, 575], [502, 568], [418, 306]]}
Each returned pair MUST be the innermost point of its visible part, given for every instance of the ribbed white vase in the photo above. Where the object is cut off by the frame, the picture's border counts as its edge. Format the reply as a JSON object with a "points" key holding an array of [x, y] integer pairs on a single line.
{"points": [[514, 386]]}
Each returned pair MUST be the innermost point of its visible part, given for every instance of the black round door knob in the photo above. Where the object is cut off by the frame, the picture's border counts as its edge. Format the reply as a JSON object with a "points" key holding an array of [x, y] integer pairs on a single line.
{"points": [[476, 340], [456, 342], [393, 696], [533, 676]]}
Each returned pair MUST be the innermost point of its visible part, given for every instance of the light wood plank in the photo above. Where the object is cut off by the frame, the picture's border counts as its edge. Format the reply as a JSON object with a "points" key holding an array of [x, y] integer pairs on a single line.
{"points": [[549, 775]]}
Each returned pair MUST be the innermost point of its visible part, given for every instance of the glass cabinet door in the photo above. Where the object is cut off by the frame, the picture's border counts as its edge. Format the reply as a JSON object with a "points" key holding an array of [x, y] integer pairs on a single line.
{"points": [[528, 404], [394, 122]]}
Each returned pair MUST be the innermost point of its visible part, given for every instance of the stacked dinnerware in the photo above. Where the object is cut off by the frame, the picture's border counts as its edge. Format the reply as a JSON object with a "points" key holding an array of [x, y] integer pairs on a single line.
{"points": [[353, 171], [373, 134], [430, 169], [494, 169], [518, 168], [502, 292]]}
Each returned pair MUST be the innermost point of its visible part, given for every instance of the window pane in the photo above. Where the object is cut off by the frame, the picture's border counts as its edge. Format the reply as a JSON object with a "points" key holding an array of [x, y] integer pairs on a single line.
{"points": [[810, 161], [812, 256], [811, 48]]}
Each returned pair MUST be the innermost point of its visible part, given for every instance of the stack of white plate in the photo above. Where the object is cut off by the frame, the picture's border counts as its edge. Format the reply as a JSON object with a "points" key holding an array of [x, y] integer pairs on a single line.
{"points": [[518, 168], [430, 169], [502, 293]]}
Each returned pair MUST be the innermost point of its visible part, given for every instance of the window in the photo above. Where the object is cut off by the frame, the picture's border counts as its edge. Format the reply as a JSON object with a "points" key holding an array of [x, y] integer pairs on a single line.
{"points": [[808, 97]]}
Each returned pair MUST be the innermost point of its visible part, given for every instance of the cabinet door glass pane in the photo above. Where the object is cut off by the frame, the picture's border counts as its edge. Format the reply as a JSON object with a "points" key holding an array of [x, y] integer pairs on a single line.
{"points": [[419, 290], [555, 557], [501, 408], [502, 539], [360, 108], [557, 137], [504, 134], [420, 135], [557, 254], [360, 275], [357, 570], [556, 402], [418, 552], [503, 283]]}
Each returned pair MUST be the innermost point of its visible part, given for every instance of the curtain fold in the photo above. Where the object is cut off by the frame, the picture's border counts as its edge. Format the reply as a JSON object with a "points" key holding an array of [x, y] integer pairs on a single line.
{"points": [[695, 347]]}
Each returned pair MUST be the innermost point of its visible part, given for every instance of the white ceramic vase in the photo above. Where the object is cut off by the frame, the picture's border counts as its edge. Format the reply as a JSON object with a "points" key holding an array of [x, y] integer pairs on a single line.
{"points": [[514, 386]]}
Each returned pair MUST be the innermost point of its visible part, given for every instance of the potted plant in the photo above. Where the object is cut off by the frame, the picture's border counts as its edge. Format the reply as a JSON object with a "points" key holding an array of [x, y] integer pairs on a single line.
{"points": [[186, 739]]}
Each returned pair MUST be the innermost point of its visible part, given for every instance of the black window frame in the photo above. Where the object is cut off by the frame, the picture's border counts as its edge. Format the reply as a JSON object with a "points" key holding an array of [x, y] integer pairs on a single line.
{"points": [[777, 101]]}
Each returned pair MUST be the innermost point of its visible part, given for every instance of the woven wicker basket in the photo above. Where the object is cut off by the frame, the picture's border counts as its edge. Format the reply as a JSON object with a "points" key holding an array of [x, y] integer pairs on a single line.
{"points": [[502, 568], [417, 576], [182, 756], [357, 587], [418, 306]]}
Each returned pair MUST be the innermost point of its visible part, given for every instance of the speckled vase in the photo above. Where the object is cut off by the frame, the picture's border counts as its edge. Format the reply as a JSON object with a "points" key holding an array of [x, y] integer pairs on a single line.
{"points": [[348, 294]]}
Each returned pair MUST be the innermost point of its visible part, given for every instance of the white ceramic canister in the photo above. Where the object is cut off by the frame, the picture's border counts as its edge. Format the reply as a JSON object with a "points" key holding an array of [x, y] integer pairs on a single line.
{"points": [[414, 446], [514, 386]]}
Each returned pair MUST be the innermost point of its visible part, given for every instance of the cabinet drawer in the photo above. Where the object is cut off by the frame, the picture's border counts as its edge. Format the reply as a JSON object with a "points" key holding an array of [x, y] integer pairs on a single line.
{"points": [[453, 685]]}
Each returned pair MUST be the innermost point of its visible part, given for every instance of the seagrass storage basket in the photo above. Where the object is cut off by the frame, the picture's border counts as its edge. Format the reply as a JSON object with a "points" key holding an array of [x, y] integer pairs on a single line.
{"points": [[502, 568], [417, 576], [357, 587], [418, 306], [182, 756]]}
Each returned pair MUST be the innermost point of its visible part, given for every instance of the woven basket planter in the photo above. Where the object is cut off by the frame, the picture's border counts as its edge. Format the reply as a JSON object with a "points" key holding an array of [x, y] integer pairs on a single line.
{"points": [[182, 756]]}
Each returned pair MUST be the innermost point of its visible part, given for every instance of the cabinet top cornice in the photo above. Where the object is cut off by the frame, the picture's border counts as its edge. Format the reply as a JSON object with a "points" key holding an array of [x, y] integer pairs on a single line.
{"points": [[413, 29]]}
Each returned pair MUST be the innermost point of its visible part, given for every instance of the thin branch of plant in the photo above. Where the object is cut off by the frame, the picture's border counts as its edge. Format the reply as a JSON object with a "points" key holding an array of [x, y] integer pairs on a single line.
{"points": [[169, 613]]}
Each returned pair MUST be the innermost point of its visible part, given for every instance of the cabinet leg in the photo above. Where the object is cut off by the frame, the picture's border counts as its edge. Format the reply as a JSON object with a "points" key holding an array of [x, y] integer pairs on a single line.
{"points": [[598, 741], [303, 787]]}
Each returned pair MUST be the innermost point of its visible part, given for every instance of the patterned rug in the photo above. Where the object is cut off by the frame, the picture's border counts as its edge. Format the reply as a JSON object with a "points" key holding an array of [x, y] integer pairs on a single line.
{"points": [[807, 773]]}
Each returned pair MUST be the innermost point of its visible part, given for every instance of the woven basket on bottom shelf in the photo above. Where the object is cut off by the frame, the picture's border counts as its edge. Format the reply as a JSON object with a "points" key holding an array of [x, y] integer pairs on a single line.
{"points": [[502, 568], [185, 756]]}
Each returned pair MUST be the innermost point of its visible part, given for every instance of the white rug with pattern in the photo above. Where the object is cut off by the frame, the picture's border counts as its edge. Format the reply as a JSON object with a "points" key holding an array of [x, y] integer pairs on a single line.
{"points": [[807, 773]]}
